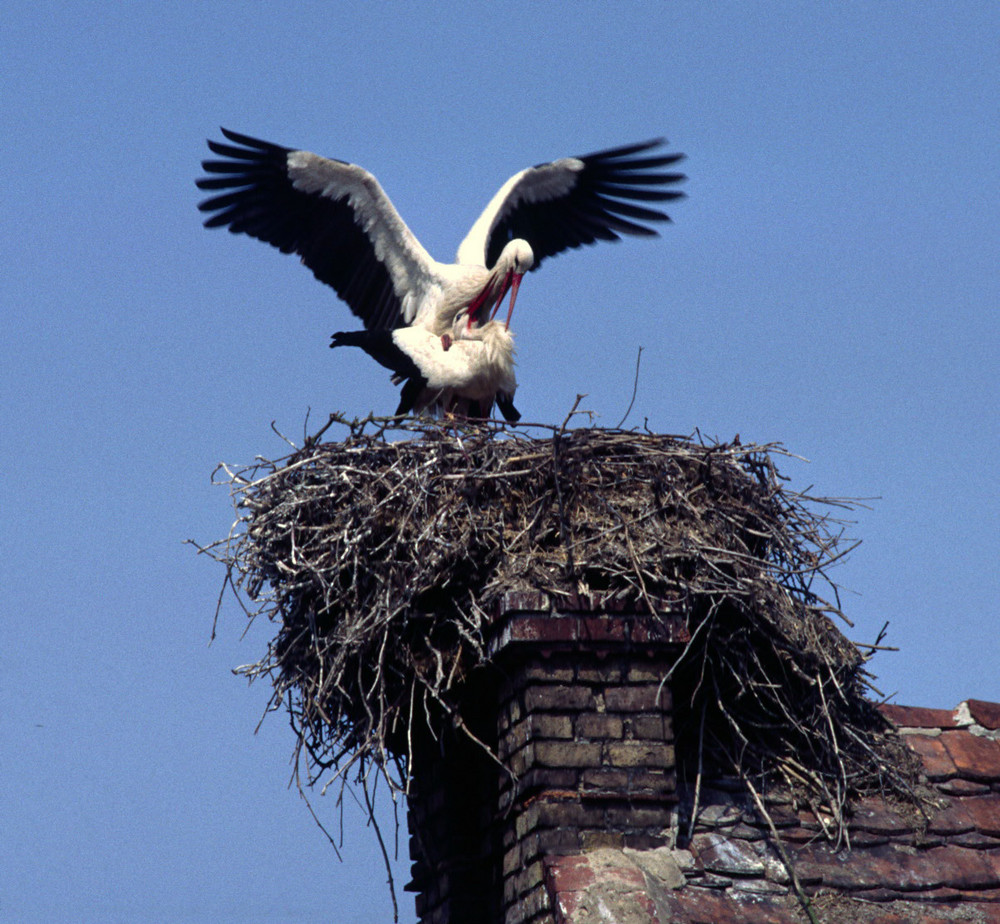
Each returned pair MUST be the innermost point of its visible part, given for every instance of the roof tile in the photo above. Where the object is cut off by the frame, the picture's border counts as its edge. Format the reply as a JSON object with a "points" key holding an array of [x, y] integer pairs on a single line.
{"points": [[936, 759], [703, 905], [975, 757], [985, 813], [952, 820], [875, 817], [728, 856], [918, 716], [900, 919], [958, 787], [986, 714], [901, 869], [913, 913]]}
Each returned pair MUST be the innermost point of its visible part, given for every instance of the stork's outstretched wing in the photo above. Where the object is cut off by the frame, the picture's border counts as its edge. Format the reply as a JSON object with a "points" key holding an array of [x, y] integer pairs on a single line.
{"points": [[335, 215], [574, 201]]}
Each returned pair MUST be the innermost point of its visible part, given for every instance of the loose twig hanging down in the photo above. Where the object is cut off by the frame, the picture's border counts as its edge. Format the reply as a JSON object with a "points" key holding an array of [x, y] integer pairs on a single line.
{"points": [[382, 561]]}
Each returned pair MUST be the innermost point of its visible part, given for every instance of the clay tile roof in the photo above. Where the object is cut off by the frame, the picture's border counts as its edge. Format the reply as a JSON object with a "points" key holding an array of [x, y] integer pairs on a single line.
{"points": [[901, 868]]}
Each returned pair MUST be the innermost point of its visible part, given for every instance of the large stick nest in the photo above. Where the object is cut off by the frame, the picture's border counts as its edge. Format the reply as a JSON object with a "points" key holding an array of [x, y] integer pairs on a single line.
{"points": [[383, 562]]}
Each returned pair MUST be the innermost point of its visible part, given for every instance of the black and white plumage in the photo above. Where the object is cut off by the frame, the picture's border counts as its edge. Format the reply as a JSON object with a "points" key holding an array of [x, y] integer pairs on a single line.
{"points": [[337, 218], [462, 373]]}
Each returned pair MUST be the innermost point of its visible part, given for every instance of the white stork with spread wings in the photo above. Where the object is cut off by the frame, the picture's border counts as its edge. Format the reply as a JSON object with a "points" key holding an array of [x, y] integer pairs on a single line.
{"points": [[337, 218]]}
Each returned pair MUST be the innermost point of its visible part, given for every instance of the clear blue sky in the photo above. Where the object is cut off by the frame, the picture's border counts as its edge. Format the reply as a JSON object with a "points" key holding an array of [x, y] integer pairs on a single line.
{"points": [[831, 283]]}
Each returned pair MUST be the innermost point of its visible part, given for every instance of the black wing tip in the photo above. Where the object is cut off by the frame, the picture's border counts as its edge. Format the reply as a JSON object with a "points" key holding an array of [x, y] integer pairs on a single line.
{"points": [[242, 168], [341, 338], [623, 158], [625, 150], [248, 141], [249, 146]]}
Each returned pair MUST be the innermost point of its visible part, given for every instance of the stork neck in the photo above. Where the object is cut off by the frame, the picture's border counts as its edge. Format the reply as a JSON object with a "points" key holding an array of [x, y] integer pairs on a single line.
{"points": [[484, 300]]}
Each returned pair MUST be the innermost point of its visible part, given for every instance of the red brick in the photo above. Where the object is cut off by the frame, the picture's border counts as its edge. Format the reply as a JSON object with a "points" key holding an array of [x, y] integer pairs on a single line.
{"points": [[663, 629], [566, 904], [569, 874], [521, 601], [602, 629], [574, 602], [938, 764], [974, 757], [918, 716], [986, 714], [541, 628]]}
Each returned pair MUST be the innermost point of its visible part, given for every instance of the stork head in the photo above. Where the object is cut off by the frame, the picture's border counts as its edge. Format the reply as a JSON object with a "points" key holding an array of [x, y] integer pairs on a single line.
{"points": [[515, 260]]}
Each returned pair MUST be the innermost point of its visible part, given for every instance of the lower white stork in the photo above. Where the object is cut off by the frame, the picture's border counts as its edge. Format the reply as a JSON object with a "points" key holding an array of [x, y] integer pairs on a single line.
{"points": [[461, 373], [337, 218]]}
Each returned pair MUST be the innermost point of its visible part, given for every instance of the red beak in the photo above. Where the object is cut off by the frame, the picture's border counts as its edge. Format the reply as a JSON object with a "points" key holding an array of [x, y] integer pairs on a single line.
{"points": [[515, 284], [505, 285], [512, 281]]}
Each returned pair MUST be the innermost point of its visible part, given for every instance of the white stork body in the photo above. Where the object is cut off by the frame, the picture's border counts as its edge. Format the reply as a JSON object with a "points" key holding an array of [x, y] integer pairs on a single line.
{"points": [[462, 372], [336, 216]]}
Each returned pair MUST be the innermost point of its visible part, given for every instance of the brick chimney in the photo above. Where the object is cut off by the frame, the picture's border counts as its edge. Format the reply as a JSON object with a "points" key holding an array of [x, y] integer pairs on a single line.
{"points": [[573, 706]]}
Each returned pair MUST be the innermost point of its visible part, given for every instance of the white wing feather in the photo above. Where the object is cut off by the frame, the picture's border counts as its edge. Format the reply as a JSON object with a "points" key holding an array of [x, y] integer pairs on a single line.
{"points": [[544, 183], [416, 276]]}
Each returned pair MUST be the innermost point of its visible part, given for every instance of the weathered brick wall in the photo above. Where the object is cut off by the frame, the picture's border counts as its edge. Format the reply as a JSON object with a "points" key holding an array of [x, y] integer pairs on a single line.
{"points": [[581, 721], [587, 736]]}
